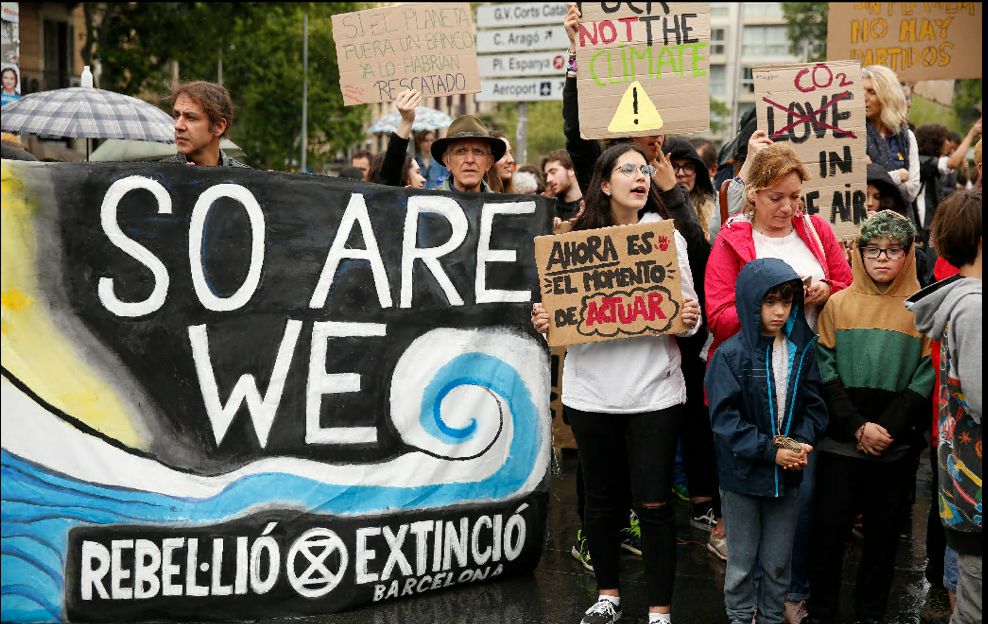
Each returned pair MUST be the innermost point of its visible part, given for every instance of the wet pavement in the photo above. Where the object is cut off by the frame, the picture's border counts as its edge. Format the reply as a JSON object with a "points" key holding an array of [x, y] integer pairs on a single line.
{"points": [[559, 590]]}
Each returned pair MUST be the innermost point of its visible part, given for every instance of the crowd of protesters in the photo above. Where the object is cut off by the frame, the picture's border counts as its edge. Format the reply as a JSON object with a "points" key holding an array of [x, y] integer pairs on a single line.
{"points": [[800, 391], [802, 395]]}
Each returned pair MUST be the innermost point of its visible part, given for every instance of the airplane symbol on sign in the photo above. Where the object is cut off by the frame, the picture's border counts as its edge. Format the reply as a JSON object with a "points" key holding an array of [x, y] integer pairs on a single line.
{"points": [[545, 88]]}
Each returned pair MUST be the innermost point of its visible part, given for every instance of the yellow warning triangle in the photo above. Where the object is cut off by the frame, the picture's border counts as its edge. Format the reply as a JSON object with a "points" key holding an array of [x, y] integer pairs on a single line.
{"points": [[635, 112]]}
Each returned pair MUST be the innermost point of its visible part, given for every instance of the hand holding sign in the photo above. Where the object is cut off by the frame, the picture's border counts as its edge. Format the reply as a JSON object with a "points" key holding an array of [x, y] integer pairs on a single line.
{"points": [[572, 24], [690, 313], [610, 283], [406, 103]]}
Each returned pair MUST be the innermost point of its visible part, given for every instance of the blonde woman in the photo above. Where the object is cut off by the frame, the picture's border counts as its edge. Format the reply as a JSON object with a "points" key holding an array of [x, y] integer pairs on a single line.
{"points": [[891, 143]]}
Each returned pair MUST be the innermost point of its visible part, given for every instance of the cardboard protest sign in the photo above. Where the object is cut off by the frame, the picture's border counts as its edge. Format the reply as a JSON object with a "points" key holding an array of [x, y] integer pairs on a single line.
{"points": [[610, 283], [818, 109], [644, 68], [425, 46], [916, 40], [231, 394]]}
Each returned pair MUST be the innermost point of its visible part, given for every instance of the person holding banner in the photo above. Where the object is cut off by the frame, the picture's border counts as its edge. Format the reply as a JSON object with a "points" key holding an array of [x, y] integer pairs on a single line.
{"points": [[468, 150], [203, 114], [891, 143], [624, 398]]}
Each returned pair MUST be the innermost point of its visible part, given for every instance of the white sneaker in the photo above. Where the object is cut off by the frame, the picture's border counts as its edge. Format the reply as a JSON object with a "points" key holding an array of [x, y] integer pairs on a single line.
{"points": [[602, 612], [717, 544]]}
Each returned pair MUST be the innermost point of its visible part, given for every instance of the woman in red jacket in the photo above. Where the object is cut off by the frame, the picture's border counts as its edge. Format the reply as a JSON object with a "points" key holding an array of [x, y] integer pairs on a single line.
{"points": [[773, 225]]}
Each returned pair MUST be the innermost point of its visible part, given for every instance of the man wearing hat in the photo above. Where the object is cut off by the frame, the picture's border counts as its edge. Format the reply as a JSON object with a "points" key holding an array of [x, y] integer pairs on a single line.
{"points": [[468, 151]]}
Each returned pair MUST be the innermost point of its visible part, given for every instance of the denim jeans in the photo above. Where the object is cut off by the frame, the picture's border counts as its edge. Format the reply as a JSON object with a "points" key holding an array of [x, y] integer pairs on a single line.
{"points": [[759, 535], [969, 590], [799, 579]]}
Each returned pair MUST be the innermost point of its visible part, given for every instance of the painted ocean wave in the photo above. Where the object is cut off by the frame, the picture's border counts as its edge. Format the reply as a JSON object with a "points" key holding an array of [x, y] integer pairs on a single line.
{"points": [[40, 506]]}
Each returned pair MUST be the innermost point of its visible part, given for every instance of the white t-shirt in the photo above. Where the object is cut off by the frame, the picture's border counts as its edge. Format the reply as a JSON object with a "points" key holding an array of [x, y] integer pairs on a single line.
{"points": [[796, 254], [632, 375]]}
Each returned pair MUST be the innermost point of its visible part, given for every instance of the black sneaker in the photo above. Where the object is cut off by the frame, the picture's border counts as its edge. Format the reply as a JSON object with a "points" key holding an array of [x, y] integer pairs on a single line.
{"points": [[602, 612]]}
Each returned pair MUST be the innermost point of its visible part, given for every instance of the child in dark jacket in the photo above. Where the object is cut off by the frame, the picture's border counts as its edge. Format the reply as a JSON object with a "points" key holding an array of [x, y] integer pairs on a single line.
{"points": [[766, 412]]}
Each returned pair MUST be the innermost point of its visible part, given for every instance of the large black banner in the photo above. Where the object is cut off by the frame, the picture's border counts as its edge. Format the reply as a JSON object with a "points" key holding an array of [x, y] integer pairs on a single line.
{"points": [[197, 361]]}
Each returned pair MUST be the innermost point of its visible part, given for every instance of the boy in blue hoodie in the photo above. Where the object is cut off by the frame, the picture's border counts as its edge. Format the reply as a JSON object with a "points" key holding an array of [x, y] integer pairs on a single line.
{"points": [[766, 411]]}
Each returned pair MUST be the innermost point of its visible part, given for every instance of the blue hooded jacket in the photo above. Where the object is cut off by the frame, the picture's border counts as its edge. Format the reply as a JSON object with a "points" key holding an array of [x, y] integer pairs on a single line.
{"points": [[741, 390]]}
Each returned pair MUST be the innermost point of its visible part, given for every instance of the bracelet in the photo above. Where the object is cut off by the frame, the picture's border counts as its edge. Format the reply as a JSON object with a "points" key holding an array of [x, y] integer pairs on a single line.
{"points": [[571, 67], [860, 432], [739, 180]]}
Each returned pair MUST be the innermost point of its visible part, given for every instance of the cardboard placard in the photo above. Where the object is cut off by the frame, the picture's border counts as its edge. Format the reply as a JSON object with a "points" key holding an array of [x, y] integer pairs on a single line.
{"points": [[644, 68], [428, 47], [610, 283], [818, 109], [916, 40]]}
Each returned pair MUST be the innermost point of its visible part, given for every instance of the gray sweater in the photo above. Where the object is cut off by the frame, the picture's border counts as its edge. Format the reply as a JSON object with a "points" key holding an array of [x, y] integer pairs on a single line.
{"points": [[950, 311]]}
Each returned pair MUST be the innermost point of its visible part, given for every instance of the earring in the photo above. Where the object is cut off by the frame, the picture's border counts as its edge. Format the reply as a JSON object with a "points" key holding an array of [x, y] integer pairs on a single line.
{"points": [[607, 193]]}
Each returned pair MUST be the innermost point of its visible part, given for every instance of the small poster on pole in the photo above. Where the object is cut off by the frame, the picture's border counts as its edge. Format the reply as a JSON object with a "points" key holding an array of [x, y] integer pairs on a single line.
{"points": [[610, 283], [818, 109], [427, 47], [644, 68]]}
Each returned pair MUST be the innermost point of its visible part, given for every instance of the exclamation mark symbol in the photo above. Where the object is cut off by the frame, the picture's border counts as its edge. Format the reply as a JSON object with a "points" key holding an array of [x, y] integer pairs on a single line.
{"points": [[634, 102]]}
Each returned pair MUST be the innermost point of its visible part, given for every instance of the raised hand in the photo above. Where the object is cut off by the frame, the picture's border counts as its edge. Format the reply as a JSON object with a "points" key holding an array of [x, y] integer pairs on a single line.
{"points": [[665, 174], [572, 23], [406, 102]]}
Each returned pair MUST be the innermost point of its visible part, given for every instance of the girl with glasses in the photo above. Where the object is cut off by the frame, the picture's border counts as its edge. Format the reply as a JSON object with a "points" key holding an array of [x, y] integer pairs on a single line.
{"points": [[624, 400]]}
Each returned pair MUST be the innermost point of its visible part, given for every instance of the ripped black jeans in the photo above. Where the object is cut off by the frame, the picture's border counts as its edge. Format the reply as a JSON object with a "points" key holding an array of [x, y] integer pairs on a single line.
{"points": [[612, 448]]}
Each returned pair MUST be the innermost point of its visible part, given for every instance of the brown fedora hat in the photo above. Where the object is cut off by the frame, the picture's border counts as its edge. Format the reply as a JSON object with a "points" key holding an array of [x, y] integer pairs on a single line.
{"points": [[467, 127]]}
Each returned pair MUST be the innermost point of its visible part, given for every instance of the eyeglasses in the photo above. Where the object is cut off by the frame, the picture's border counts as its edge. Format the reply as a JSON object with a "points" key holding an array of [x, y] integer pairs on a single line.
{"points": [[462, 151], [892, 253], [687, 168], [629, 169]]}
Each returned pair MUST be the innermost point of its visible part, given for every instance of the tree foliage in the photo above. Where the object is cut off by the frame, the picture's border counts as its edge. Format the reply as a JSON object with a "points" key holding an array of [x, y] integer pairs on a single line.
{"points": [[544, 128], [806, 25], [259, 46]]}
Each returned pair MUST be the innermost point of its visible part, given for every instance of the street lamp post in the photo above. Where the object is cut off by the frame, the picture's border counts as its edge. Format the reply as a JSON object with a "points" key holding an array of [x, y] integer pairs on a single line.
{"points": [[305, 89]]}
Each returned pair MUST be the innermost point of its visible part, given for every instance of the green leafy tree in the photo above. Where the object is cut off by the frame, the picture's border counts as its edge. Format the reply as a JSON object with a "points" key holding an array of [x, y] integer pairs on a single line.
{"points": [[258, 46], [806, 25], [265, 74], [720, 116]]}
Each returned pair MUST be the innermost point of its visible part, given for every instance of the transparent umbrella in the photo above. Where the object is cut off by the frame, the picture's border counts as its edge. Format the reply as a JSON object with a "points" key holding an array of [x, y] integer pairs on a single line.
{"points": [[425, 119]]}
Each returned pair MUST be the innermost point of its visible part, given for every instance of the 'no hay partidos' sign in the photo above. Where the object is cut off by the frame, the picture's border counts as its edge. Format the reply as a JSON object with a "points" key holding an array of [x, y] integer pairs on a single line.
{"points": [[610, 283], [643, 68], [430, 47], [818, 109], [237, 394]]}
